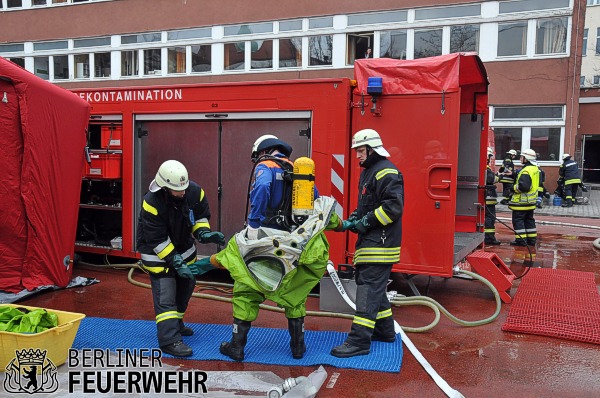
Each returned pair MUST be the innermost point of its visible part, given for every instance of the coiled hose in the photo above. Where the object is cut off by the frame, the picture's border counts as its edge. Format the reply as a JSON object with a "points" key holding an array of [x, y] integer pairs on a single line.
{"points": [[401, 301]]}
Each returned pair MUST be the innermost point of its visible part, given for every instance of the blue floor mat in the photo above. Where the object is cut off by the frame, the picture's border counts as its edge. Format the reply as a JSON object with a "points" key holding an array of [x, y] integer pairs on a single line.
{"points": [[265, 345]]}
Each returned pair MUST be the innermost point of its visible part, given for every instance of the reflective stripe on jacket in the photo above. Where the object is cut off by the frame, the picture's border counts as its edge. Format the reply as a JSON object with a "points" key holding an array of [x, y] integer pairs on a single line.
{"points": [[381, 200], [165, 227], [526, 188]]}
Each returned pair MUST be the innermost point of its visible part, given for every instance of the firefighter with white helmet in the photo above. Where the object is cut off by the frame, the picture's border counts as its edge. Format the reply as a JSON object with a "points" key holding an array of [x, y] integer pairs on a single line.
{"points": [[378, 223], [491, 200], [569, 172], [507, 174], [174, 212], [523, 200]]}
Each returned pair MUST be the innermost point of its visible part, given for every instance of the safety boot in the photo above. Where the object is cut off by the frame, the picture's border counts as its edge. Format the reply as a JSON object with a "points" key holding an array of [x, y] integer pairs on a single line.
{"points": [[490, 239], [234, 349], [184, 330], [347, 350], [177, 349], [568, 203], [518, 242], [296, 328]]}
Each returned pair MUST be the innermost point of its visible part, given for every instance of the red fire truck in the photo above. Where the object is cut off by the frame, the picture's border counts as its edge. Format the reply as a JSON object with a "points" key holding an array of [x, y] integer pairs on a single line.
{"points": [[432, 115]]}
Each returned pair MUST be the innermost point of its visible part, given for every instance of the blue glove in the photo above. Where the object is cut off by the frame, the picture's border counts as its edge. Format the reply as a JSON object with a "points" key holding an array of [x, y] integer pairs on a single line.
{"points": [[211, 237], [181, 267], [201, 266], [362, 226]]}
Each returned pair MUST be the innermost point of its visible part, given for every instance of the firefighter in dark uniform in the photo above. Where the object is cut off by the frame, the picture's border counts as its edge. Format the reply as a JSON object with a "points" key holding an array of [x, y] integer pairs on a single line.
{"points": [[378, 223], [542, 191], [491, 200], [523, 200], [174, 212], [507, 175], [569, 172]]}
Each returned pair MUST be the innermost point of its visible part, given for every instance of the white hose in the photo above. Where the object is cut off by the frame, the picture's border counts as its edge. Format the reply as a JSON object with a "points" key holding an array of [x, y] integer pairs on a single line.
{"points": [[596, 243], [562, 224], [445, 387]]}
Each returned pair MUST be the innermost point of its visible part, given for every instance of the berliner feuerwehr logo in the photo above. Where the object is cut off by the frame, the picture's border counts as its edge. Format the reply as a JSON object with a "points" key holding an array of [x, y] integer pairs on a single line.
{"points": [[31, 372]]}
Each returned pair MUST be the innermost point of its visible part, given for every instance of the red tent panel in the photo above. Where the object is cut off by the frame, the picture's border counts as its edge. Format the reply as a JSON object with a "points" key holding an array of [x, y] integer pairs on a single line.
{"points": [[41, 155]]}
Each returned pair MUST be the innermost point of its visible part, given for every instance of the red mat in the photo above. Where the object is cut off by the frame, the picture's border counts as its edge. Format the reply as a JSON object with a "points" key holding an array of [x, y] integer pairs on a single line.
{"points": [[556, 303]]}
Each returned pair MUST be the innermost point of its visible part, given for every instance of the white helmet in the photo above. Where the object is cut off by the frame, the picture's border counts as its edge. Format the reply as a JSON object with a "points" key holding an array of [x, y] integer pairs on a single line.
{"points": [[512, 152], [171, 174], [259, 140], [529, 154], [371, 138], [269, 141], [490, 151], [565, 155]]}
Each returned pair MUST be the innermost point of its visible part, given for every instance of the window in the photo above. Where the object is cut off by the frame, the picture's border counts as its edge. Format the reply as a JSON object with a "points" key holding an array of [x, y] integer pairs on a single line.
{"points": [[531, 5], [323, 22], [598, 41], [61, 67], [201, 58], [261, 54], [51, 45], [506, 139], [360, 45], [596, 80], [152, 61], [540, 128], [129, 63], [14, 3], [448, 12], [248, 29], [584, 48], [234, 56], [512, 38], [392, 44], [377, 18], [582, 81], [102, 65], [290, 53], [176, 60], [41, 67], [82, 66], [545, 141], [287, 26], [428, 43], [18, 61], [189, 34], [38, 3], [551, 36], [528, 112], [320, 50], [141, 38], [91, 42], [464, 38], [11, 48]]}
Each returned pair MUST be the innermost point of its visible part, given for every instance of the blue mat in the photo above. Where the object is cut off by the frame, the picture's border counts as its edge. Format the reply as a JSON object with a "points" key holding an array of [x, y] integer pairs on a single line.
{"points": [[265, 346]]}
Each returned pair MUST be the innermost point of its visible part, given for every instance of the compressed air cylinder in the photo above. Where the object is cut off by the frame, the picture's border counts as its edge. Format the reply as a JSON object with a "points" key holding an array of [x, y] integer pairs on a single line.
{"points": [[303, 189]]}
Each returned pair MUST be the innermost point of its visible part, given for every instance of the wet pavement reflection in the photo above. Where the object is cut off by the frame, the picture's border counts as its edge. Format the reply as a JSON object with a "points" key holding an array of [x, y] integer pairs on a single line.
{"points": [[480, 361]]}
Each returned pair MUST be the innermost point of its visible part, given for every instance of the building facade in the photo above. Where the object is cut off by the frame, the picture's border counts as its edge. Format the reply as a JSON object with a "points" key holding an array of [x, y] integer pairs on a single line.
{"points": [[589, 100], [531, 49]]}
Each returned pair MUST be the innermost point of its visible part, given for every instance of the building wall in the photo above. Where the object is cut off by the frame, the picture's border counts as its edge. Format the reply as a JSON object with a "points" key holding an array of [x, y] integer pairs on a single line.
{"points": [[530, 81], [590, 62]]}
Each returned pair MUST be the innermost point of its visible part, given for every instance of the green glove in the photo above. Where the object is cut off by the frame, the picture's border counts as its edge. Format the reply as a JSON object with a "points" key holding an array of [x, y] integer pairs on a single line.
{"points": [[201, 266], [181, 267], [362, 226], [211, 237], [353, 216], [349, 225]]}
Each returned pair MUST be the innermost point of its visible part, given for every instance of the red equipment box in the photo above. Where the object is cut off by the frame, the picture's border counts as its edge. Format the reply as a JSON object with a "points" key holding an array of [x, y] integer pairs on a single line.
{"points": [[111, 136], [104, 165]]}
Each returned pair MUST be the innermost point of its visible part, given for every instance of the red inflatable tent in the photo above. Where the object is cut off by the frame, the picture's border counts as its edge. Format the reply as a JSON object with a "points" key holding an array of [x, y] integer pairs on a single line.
{"points": [[42, 145]]}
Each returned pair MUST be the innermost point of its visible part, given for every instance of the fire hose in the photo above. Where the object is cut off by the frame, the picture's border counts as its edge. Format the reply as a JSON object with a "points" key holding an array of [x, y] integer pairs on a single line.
{"points": [[395, 300]]}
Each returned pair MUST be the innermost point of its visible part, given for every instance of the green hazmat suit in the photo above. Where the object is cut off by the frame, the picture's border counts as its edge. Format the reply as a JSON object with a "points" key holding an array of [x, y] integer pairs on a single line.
{"points": [[302, 257]]}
